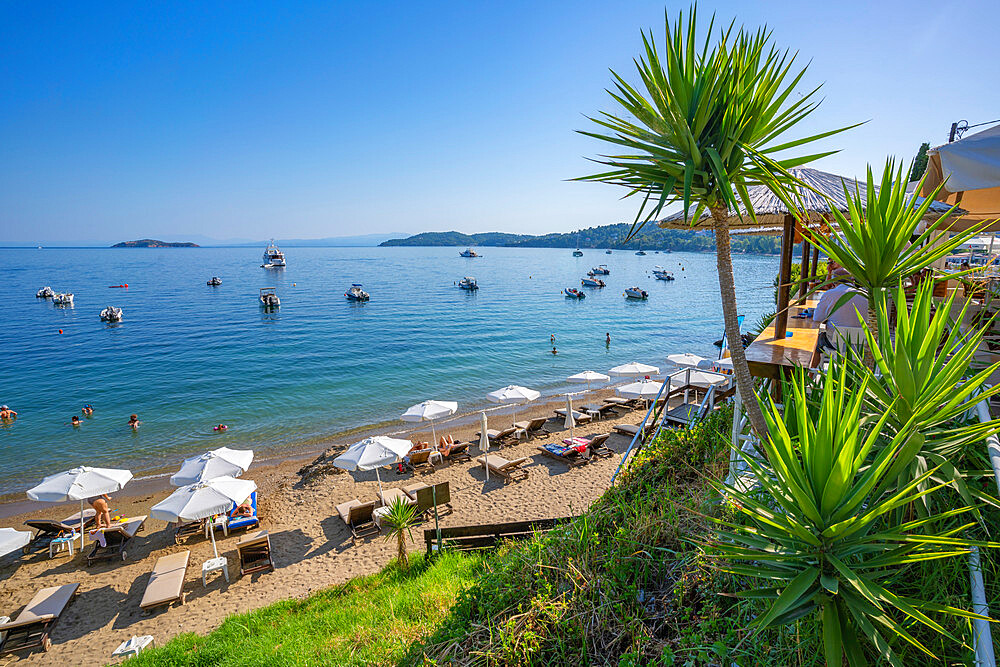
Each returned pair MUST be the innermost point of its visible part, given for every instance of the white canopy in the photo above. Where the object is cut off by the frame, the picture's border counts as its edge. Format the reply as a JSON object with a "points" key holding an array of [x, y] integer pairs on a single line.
{"points": [[589, 377], [971, 163], [634, 369], [429, 411], [221, 462], [79, 484], [644, 389], [513, 393], [704, 379], [203, 500], [372, 454], [11, 540], [686, 360]]}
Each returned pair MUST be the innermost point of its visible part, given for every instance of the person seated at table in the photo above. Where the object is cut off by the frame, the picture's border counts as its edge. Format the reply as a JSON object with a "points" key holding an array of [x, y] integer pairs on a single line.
{"points": [[835, 271], [100, 505], [840, 306]]}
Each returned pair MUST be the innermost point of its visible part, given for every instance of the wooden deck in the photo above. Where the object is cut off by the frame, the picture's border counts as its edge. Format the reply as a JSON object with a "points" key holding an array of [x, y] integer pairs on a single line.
{"points": [[767, 356]]}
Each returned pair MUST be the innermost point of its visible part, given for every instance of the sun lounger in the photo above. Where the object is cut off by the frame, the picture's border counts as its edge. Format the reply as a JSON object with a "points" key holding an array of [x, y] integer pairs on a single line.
{"points": [[458, 452], [599, 411], [419, 459], [166, 581], [568, 454], [598, 445], [387, 496], [116, 540], [245, 522], [498, 438], [509, 470], [254, 551], [578, 417], [32, 626], [358, 517], [47, 529], [187, 530], [631, 429], [532, 427], [430, 496]]}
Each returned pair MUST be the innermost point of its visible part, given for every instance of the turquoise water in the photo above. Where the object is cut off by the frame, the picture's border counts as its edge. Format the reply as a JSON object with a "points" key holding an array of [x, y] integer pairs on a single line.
{"points": [[188, 356]]}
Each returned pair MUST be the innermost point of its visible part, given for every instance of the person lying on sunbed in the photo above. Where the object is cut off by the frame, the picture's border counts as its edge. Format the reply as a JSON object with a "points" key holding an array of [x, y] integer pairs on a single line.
{"points": [[447, 444]]}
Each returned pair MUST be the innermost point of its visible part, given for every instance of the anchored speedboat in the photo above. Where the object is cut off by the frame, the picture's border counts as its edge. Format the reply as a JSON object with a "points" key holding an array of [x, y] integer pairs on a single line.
{"points": [[268, 299], [469, 252], [468, 283], [356, 293], [574, 293], [63, 299], [214, 280], [662, 274], [591, 281], [45, 293], [636, 293], [111, 314], [640, 252], [600, 270], [273, 257], [578, 253]]}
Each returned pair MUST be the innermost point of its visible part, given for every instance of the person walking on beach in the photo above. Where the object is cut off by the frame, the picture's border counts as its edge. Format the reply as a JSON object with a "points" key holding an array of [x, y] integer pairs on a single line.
{"points": [[133, 422], [100, 505]]}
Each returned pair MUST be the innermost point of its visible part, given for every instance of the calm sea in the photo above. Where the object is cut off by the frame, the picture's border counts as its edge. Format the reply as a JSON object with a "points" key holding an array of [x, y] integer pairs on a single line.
{"points": [[188, 356]]}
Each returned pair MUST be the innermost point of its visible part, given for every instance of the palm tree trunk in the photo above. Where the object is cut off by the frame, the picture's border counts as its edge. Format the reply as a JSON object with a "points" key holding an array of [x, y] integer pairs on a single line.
{"points": [[401, 551], [744, 383], [873, 327]]}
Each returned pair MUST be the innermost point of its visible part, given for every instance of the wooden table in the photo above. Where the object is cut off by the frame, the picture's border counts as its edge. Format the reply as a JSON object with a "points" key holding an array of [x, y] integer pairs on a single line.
{"points": [[769, 357]]}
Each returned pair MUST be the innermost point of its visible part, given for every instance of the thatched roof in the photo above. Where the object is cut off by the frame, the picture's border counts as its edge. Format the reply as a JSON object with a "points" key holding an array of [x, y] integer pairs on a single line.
{"points": [[771, 211]]}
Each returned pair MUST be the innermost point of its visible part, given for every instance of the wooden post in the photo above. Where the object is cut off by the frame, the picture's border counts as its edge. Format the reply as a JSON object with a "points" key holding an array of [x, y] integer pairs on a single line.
{"points": [[784, 277], [804, 273]]}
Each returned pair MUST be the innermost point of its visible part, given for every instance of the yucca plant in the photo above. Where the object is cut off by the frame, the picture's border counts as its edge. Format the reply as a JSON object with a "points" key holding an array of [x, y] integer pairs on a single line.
{"points": [[822, 534], [398, 523], [707, 122]]}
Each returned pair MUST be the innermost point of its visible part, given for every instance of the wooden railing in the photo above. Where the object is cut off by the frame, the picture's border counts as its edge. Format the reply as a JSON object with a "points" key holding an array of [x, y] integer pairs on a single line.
{"points": [[487, 536]]}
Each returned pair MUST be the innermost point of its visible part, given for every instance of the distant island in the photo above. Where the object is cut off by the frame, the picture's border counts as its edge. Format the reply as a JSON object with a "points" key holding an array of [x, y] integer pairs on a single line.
{"points": [[609, 237], [153, 243]]}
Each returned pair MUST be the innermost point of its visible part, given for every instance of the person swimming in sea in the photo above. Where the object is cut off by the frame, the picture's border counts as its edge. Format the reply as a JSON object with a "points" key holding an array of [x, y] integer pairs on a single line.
{"points": [[133, 422], [607, 338], [87, 410], [552, 339], [554, 351], [75, 421], [6, 413]]}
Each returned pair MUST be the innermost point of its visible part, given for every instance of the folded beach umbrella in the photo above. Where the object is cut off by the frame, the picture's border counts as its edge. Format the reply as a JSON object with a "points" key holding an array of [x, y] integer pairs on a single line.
{"points": [[79, 484], [569, 423], [634, 369], [203, 500], [687, 360], [429, 411], [221, 462], [372, 454], [513, 395], [484, 442], [11, 540]]}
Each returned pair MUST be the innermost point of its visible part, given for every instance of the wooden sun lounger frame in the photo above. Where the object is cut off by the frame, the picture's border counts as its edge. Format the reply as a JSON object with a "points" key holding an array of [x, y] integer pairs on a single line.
{"points": [[578, 417], [23, 634], [572, 458], [359, 517], [509, 470], [117, 539], [254, 553], [423, 459], [425, 496], [174, 576], [46, 531], [599, 445], [533, 427], [459, 452]]}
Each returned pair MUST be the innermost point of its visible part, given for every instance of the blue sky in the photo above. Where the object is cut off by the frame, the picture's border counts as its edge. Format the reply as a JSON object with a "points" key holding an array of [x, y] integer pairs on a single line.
{"points": [[251, 120]]}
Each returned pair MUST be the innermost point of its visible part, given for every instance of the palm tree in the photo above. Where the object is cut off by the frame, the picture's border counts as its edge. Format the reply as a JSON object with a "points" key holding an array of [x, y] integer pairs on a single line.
{"points": [[706, 128], [398, 523]]}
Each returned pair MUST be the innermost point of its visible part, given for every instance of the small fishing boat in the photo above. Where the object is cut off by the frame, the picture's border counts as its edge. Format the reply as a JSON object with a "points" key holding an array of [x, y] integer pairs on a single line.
{"points": [[273, 257], [468, 283], [111, 314], [45, 293], [591, 281], [469, 252], [607, 252], [268, 299], [600, 270], [574, 293], [636, 293], [356, 293], [661, 273], [578, 253], [640, 251], [63, 299], [214, 280]]}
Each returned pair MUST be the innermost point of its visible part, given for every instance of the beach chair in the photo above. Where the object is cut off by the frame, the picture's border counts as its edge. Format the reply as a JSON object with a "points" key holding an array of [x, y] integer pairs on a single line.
{"points": [[166, 581], [430, 496], [47, 529], [599, 411], [389, 495], [32, 626], [359, 518], [532, 427], [419, 459], [508, 470], [245, 522], [569, 455], [618, 403], [254, 552], [116, 540], [457, 452], [631, 429], [598, 445], [578, 417], [187, 530], [498, 438]]}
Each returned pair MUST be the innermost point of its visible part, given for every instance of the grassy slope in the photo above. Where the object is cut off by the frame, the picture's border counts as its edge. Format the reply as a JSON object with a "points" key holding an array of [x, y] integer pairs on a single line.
{"points": [[368, 621]]}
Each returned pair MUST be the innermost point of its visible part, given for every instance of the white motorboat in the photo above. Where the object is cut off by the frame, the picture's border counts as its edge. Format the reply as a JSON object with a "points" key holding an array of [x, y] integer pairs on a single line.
{"points": [[273, 257], [636, 293], [607, 252], [578, 253], [356, 293], [468, 283], [600, 270], [640, 251], [214, 280], [591, 281], [111, 314], [469, 252], [45, 293], [63, 299], [268, 299], [574, 293], [661, 273]]}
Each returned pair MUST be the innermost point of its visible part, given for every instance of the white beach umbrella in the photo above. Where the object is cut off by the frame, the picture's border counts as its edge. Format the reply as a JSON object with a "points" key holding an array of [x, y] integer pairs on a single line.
{"points": [[79, 484], [221, 462], [723, 365], [589, 377], [372, 454], [429, 411], [634, 369], [703, 379], [203, 500], [686, 360], [11, 540], [569, 423], [484, 442], [644, 389], [513, 395]]}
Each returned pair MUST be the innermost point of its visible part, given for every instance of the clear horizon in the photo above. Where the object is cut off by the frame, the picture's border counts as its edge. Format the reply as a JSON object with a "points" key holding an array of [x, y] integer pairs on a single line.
{"points": [[124, 121]]}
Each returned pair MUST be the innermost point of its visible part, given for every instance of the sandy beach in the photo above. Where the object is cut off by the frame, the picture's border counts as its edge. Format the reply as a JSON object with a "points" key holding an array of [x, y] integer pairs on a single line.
{"points": [[312, 547]]}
